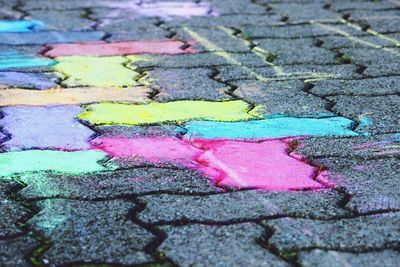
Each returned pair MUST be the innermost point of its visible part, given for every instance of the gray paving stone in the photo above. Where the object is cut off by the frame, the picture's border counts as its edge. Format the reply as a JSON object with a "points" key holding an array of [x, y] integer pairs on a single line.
{"points": [[232, 73], [282, 31], [330, 258], [221, 38], [8, 13], [49, 37], [235, 21], [361, 234], [14, 252], [382, 146], [128, 28], [290, 31], [382, 20], [180, 84], [67, 20], [115, 184], [204, 245], [198, 60], [225, 7], [78, 234], [304, 12], [387, 24], [362, 5], [335, 42], [387, 85], [292, 100], [240, 206], [296, 51], [133, 131], [11, 212], [382, 111], [28, 80], [382, 69], [368, 56], [371, 184]]}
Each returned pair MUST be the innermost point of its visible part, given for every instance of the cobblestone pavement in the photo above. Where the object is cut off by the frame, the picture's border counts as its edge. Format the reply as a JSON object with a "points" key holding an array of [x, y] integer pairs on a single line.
{"points": [[203, 133]]}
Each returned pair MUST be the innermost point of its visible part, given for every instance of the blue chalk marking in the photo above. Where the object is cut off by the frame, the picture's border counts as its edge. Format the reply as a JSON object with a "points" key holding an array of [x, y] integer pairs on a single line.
{"points": [[271, 128], [13, 59], [19, 25]]}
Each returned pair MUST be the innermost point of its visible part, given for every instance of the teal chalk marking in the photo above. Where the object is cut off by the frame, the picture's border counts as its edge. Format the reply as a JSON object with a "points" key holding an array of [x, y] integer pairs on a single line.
{"points": [[271, 128], [364, 122], [14, 59], [31, 161], [19, 25]]}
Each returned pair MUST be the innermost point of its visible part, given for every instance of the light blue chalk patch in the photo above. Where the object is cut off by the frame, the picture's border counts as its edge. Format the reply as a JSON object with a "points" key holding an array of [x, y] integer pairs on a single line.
{"points": [[19, 25], [365, 121], [14, 59], [271, 128]]}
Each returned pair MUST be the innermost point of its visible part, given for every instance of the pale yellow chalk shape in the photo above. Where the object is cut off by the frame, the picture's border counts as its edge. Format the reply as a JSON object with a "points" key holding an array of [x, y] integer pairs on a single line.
{"points": [[171, 112], [72, 96], [96, 71]]}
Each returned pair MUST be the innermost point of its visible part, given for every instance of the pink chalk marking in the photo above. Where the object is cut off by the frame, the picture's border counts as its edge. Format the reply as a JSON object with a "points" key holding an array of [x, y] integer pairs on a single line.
{"points": [[158, 47], [154, 150], [262, 165]]}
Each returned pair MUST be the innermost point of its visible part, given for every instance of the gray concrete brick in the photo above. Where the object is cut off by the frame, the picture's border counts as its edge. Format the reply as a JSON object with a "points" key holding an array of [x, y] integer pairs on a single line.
{"points": [[203, 245], [240, 206], [360, 234], [78, 234]]}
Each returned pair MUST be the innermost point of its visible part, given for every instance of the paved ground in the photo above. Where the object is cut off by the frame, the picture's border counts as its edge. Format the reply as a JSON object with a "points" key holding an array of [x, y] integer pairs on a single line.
{"points": [[203, 133]]}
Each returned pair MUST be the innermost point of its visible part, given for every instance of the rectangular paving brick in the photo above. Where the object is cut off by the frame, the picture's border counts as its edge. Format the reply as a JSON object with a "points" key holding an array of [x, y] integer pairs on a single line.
{"points": [[240, 206], [49, 37], [26, 80], [361, 234], [96, 71], [12, 59], [170, 112], [108, 236], [117, 49], [18, 25], [49, 128], [75, 96]]}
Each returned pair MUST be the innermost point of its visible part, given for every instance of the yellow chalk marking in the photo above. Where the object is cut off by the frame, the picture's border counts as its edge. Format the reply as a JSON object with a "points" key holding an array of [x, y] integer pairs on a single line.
{"points": [[96, 71], [72, 96], [170, 112], [219, 51], [261, 53]]}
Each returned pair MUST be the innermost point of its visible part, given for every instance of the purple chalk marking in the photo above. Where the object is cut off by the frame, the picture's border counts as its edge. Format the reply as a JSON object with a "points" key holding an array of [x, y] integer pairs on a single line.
{"points": [[2, 137], [166, 10], [25, 80], [44, 128]]}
